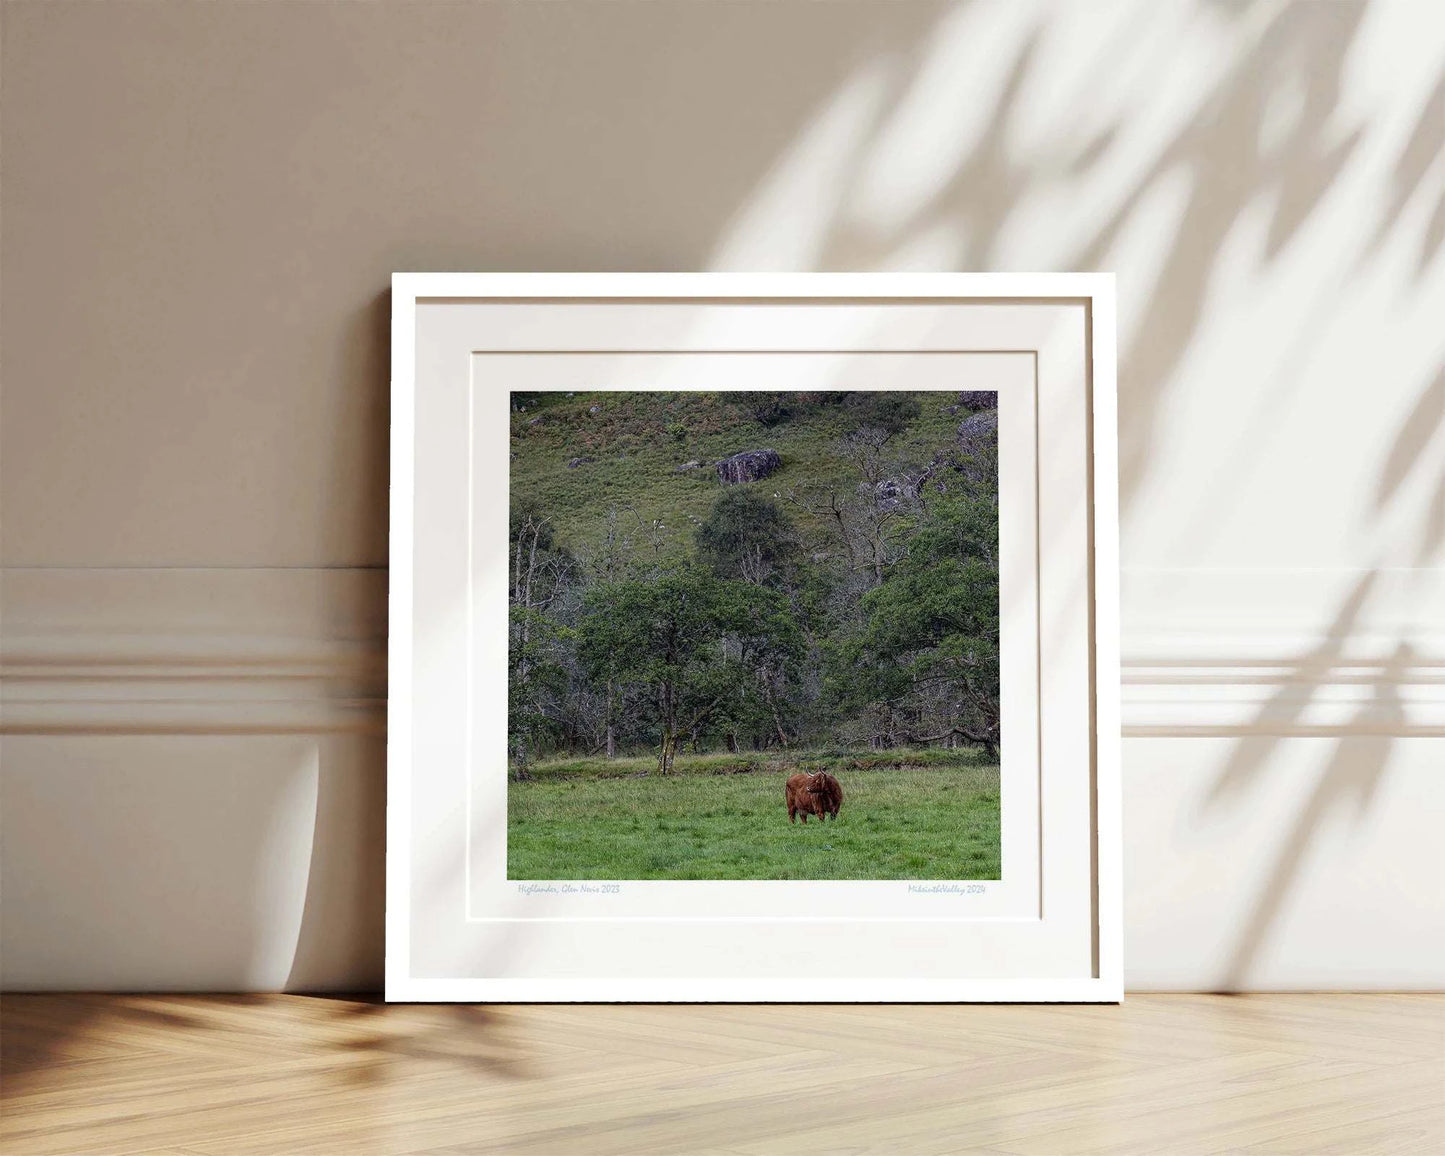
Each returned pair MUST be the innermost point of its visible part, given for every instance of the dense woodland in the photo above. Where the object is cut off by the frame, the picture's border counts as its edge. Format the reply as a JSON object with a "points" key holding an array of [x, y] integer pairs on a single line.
{"points": [[845, 596]]}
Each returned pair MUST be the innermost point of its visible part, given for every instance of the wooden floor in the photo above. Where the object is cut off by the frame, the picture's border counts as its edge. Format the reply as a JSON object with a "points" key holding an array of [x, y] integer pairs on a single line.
{"points": [[225, 1076]]}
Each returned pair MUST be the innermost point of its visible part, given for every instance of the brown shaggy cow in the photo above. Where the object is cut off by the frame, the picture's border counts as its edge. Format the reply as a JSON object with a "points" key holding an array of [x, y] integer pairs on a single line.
{"points": [[813, 794], [801, 792], [831, 794]]}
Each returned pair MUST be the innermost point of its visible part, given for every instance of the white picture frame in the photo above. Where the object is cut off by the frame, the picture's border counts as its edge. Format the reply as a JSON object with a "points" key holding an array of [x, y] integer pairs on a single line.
{"points": [[457, 931]]}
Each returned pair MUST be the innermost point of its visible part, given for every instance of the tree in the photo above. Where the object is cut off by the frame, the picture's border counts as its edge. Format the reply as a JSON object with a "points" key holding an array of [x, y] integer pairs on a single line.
{"points": [[536, 684], [540, 572], [662, 635], [700, 645], [766, 407], [869, 518], [927, 658], [888, 411], [764, 645], [747, 537]]}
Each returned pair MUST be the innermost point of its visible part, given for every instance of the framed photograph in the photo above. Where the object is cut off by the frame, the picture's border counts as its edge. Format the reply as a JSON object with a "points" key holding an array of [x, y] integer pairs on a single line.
{"points": [[753, 638]]}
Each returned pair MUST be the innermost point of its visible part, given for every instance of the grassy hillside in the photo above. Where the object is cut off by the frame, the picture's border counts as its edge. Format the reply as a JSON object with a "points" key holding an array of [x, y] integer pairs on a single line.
{"points": [[637, 441]]}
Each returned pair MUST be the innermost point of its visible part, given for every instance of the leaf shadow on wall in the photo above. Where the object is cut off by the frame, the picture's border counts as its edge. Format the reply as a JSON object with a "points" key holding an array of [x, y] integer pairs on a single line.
{"points": [[1233, 156], [1230, 153]]}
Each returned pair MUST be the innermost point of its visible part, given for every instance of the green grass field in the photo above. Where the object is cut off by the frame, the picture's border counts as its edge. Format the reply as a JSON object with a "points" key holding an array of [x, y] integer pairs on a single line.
{"points": [[906, 815]]}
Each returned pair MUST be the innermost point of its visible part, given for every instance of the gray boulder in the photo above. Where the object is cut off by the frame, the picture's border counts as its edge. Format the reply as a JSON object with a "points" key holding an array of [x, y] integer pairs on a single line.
{"points": [[748, 466], [682, 469], [575, 462], [891, 493], [976, 399], [978, 431]]}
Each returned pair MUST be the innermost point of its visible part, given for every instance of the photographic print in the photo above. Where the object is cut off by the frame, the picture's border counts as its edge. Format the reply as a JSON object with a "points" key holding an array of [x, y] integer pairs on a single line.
{"points": [[753, 635]]}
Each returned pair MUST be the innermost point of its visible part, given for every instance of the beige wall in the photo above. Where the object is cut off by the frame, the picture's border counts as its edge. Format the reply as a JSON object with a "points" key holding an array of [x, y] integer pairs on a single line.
{"points": [[200, 205]]}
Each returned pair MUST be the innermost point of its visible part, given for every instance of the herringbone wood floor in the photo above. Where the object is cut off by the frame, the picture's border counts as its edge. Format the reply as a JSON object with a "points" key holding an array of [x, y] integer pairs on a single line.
{"points": [[226, 1076]]}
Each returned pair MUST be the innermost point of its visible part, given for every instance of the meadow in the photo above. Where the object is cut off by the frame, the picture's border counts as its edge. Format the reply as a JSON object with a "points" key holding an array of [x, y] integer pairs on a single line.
{"points": [[924, 814]]}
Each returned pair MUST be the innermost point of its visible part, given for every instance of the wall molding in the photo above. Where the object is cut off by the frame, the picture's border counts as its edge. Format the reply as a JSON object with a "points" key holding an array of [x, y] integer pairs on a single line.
{"points": [[1190, 698], [1320, 651], [210, 651], [242, 650]]}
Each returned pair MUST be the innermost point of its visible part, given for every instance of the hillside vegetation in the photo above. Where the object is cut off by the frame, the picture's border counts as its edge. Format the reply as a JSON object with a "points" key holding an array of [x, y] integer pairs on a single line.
{"points": [[843, 592], [637, 441]]}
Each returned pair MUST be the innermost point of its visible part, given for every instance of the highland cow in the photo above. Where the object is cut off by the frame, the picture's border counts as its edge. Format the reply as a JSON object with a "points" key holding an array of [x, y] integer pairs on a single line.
{"points": [[801, 792], [831, 794], [818, 794]]}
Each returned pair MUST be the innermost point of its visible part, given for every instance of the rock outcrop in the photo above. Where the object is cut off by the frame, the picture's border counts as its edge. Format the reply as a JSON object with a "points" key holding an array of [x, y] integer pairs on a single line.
{"points": [[978, 431], [748, 466], [978, 445], [575, 462], [977, 399], [892, 493]]}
